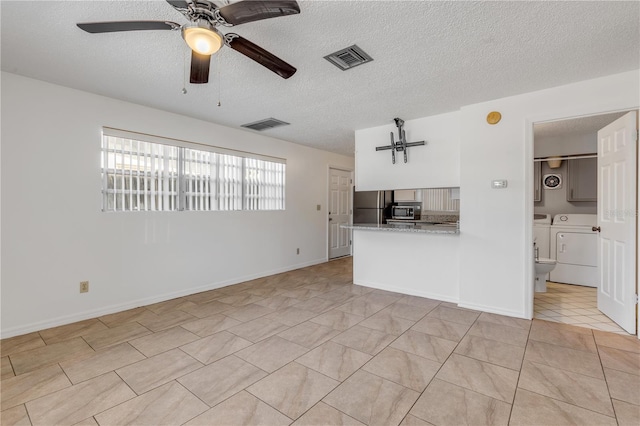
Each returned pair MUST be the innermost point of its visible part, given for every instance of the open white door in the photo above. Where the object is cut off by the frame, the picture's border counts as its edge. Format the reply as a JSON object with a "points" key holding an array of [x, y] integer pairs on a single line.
{"points": [[617, 189], [339, 212]]}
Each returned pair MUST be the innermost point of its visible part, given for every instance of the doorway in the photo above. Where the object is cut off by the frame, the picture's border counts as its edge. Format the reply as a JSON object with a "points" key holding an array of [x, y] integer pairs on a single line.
{"points": [[339, 212], [581, 291], [573, 304]]}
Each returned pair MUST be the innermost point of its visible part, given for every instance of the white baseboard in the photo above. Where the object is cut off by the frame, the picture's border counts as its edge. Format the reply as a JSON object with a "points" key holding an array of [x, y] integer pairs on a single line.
{"points": [[111, 309], [493, 310], [410, 292], [444, 298]]}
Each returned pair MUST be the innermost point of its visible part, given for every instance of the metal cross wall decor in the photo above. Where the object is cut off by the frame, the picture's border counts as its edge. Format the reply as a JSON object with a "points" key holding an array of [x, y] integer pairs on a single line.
{"points": [[401, 145]]}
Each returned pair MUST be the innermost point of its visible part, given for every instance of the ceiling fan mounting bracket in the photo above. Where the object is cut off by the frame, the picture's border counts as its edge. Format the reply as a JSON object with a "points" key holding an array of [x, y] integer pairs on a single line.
{"points": [[219, 19], [173, 25], [229, 37], [200, 10]]}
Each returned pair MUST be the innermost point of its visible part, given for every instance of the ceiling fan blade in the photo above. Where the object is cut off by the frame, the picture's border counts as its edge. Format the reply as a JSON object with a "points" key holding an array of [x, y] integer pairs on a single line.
{"points": [[261, 56], [199, 68], [249, 10], [178, 4], [115, 26]]}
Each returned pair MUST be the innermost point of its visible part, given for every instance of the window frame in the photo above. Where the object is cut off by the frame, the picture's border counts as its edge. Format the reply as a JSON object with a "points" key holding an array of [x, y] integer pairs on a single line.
{"points": [[213, 198]]}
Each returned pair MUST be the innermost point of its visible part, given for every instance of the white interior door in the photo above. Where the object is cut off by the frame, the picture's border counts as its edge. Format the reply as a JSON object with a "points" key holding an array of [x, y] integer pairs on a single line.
{"points": [[617, 150], [339, 212]]}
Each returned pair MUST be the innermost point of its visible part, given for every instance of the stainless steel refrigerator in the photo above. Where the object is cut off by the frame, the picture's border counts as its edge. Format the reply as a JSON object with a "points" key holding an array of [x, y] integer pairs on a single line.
{"points": [[372, 206]]}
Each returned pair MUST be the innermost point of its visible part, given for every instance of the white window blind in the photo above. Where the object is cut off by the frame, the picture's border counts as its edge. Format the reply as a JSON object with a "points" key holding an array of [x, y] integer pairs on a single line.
{"points": [[200, 178], [139, 175], [143, 175], [440, 199], [230, 182], [263, 185]]}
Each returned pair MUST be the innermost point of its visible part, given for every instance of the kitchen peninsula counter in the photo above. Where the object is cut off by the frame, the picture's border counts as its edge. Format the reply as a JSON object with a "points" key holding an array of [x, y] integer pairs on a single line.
{"points": [[402, 259], [418, 228]]}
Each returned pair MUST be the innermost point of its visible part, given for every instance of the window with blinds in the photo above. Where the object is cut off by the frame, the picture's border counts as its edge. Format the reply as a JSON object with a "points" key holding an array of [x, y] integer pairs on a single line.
{"points": [[230, 182], [139, 175], [142, 175], [263, 185], [200, 180]]}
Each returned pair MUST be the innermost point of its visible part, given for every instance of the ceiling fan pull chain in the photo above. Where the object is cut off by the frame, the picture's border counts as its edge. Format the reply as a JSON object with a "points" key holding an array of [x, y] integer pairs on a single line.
{"points": [[184, 74], [219, 65]]}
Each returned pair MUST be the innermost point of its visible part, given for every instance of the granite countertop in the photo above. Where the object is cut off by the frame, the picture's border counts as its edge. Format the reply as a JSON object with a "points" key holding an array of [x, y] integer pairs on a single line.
{"points": [[431, 221], [416, 229], [431, 217]]}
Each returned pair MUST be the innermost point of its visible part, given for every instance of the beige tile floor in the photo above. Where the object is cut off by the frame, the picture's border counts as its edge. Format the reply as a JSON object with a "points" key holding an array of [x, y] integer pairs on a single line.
{"points": [[572, 304], [308, 347]]}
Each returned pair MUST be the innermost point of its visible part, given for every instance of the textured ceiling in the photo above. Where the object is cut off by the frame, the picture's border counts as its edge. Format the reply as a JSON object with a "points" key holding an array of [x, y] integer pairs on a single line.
{"points": [[429, 58], [574, 126]]}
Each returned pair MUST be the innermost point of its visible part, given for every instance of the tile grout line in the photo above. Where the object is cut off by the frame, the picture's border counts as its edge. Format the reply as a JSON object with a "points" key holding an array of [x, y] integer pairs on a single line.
{"points": [[569, 325], [123, 402], [567, 402], [267, 373], [198, 398], [524, 354], [319, 372], [606, 382], [442, 365]]}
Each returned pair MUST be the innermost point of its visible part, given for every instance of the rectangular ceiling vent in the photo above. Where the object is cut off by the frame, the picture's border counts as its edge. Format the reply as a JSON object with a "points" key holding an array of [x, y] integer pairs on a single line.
{"points": [[267, 123], [348, 58]]}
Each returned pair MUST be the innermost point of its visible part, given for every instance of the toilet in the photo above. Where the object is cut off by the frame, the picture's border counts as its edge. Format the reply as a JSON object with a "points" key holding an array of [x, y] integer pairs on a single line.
{"points": [[543, 267]]}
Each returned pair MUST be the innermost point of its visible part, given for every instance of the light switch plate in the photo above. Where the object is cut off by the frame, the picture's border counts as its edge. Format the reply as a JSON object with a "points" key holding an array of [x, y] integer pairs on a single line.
{"points": [[499, 184], [318, 207]]}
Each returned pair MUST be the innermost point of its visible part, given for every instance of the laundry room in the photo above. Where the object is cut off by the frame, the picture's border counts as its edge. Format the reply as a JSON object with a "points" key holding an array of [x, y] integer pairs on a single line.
{"points": [[565, 225]]}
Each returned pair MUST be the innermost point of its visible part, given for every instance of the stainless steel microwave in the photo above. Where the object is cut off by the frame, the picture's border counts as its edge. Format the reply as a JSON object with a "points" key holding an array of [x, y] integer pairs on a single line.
{"points": [[403, 212]]}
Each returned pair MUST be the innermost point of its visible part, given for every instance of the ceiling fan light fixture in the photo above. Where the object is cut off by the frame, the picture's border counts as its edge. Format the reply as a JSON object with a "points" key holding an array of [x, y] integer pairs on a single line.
{"points": [[202, 38]]}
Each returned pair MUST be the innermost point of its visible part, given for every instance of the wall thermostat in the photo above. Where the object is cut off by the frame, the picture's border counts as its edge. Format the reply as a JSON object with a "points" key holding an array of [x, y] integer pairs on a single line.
{"points": [[552, 181]]}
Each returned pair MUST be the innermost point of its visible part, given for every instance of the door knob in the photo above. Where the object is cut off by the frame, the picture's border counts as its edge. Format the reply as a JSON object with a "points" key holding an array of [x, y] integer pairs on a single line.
{"points": [[330, 219], [595, 228]]}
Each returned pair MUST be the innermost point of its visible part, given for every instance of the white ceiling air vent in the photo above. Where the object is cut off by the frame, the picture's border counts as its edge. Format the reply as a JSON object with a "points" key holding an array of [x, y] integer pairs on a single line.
{"points": [[348, 57], [267, 123]]}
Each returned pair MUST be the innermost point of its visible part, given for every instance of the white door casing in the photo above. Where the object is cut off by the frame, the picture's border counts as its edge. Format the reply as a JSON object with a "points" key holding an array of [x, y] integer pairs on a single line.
{"points": [[339, 212], [617, 193]]}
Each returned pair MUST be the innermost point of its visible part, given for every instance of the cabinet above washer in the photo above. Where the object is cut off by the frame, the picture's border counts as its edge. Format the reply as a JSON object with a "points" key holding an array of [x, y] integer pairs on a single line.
{"points": [[537, 182], [582, 180]]}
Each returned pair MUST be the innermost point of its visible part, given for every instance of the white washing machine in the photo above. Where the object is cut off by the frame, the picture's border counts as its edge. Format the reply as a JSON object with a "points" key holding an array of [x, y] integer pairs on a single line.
{"points": [[574, 245], [541, 227]]}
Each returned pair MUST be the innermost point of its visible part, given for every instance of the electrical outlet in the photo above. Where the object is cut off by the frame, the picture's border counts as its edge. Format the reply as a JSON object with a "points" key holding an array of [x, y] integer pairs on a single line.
{"points": [[297, 251], [318, 207], [84, 286]]}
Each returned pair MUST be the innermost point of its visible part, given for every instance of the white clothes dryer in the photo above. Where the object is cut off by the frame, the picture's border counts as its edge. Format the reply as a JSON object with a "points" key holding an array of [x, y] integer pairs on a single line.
{"points": [[574, 245]]}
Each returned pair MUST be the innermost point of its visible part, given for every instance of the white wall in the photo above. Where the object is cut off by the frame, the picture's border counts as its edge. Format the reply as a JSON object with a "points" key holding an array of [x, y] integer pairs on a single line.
{"points": [[419, 264], [54, 234], [574, 144], [496, 240], [435, 165]]}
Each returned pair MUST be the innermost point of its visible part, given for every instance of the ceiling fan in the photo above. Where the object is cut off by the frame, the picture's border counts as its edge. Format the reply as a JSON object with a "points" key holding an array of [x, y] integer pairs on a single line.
{"points": [[203, 37]]}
